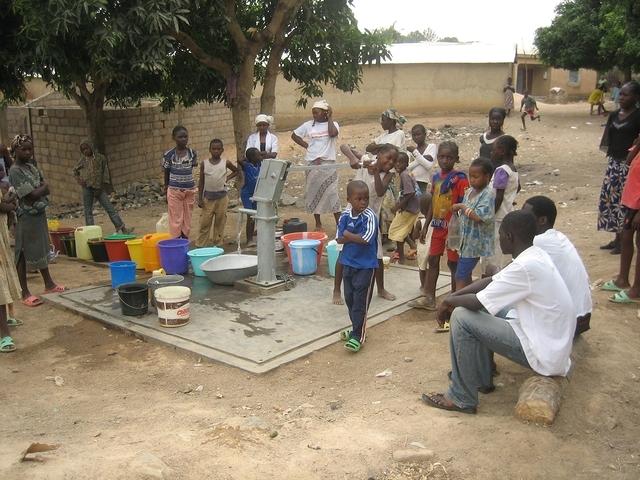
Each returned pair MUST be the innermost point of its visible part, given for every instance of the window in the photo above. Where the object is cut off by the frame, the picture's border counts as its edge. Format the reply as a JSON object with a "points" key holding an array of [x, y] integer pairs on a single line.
{"points": [[574, 77]]}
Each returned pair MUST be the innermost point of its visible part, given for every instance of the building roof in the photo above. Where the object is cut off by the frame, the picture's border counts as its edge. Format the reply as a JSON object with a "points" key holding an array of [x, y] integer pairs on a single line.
{"points": [[444, 52]]}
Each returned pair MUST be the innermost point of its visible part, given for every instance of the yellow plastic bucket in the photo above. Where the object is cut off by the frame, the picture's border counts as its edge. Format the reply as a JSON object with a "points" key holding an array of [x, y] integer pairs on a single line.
{"points": [[53, 224], [135, 252]]}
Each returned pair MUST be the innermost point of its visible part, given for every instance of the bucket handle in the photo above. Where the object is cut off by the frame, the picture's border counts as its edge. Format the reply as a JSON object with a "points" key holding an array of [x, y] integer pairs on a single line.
{"points": [[125, 303]]}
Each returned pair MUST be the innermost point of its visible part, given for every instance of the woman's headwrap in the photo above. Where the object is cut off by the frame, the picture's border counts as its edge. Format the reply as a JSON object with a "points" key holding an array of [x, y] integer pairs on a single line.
{"points": [[88, 143], [20, 140], [395, 116], [262, 118], [321, 104]]}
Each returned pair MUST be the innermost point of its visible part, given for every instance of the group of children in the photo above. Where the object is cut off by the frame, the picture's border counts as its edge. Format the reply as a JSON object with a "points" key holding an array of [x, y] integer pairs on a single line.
{"points": [[469, 206]]}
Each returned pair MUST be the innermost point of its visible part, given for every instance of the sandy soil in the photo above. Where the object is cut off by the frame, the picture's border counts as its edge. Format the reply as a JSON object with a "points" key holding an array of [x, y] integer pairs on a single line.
{"points": [[123, 412]]}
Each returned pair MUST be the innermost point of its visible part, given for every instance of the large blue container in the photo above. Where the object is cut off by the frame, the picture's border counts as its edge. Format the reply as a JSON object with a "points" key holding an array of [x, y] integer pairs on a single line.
{"points": [[122, 272], [173, 255], [200, 255], [304, 256]]}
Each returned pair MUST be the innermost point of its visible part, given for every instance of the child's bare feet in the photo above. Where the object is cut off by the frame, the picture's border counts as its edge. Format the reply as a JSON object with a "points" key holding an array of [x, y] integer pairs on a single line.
{"points": [[386, 295], [337, 298]]}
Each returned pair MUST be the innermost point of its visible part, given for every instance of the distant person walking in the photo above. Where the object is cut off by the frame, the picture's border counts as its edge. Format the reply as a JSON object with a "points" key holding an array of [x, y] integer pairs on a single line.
{"points": [[92, 174], [530, 106], [508, 91]]}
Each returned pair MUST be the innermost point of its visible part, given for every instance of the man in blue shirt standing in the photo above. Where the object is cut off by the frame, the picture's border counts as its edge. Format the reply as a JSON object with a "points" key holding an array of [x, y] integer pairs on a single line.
{"points": [[358, 232]]}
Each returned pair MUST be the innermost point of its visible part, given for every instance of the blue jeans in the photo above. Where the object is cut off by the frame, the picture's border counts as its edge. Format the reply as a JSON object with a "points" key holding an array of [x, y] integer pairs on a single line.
{"points": [[474, 335], [89, 196]]}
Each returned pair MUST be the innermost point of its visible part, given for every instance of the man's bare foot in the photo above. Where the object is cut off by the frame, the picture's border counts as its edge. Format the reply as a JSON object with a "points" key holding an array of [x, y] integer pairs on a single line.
{"points": [[386, 295], [337, 298]]}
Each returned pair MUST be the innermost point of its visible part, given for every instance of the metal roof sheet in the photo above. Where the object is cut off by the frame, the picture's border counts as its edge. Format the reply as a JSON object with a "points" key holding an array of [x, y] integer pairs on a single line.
{"points": [[444, 52]]}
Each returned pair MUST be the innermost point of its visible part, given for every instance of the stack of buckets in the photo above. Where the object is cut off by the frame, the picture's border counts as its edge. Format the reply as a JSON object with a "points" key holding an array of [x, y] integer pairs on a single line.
{"points": [[304, 251]]}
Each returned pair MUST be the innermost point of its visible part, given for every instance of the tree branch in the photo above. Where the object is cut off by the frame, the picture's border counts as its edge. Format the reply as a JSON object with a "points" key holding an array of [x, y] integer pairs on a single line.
{"points": [[235, 30], [285, 10], [212, 62]]}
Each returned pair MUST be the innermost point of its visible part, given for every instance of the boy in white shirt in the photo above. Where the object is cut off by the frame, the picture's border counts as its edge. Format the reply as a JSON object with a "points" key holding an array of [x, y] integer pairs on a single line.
{"points": [[565, 257], [538, 329]]}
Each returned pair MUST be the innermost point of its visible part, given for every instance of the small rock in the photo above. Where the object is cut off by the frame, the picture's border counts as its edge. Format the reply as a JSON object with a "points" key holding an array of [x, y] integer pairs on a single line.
{"points": [[384, 373], [147, 465], [412, 455], [273, 434], [417, 445], [313, 447], [408, 359], [219, 395], [335, 404]]}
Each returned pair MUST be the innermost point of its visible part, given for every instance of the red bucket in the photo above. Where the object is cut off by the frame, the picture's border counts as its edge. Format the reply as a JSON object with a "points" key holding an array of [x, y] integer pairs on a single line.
{"points": [[56, 237], [290, 237], [117, 249]]}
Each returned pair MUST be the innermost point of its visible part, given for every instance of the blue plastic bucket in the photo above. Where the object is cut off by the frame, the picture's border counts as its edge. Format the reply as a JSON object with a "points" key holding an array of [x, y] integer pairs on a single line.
{"points": [[173, 255], [201, 255], [332, 256], [304, 256], [122, 272]]}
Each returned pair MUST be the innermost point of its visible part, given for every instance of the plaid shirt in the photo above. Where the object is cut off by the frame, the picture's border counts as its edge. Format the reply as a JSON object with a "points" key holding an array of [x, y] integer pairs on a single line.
{"points": [[91, 170]]}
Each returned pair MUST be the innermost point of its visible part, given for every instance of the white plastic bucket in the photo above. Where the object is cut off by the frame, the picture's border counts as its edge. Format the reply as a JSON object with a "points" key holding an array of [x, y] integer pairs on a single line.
{"points": [[173, 306]]}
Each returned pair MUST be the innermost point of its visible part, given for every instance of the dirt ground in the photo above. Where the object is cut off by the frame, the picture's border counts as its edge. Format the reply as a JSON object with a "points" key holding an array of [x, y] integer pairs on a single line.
{"points": [[131, 409]]}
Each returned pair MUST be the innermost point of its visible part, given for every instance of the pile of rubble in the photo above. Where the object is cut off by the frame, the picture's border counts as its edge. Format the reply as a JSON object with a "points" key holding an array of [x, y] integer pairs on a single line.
{"points": [[135, 195], [448, 132]]}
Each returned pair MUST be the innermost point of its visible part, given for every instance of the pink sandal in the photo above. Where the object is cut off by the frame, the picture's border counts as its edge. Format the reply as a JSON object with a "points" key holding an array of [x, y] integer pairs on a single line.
{"points": [[56, 289], [32, 301]]}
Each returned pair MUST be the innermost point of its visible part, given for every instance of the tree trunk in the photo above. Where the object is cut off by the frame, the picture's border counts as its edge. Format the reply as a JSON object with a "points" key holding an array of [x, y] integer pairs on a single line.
{"points": [[95, 120], [268, 97], [4, 125], [241, 106]]}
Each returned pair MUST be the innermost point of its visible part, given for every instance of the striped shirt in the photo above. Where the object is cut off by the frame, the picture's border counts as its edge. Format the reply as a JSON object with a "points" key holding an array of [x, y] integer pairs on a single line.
{"points": [[180, 169], [365, 225]]}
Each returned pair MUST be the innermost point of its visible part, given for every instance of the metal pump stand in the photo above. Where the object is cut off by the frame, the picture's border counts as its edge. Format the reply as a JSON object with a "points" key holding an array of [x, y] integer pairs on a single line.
{"points": [[273, 174]]}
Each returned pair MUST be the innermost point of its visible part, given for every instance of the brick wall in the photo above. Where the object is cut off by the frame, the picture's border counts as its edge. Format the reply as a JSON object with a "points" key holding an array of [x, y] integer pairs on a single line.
{"points": [[135, 139]]}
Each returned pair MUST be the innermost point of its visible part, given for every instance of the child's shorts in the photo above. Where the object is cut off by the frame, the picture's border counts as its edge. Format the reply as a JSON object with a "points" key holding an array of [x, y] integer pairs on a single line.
{"points": [[245, 196], [438, 245], [402, 226], [465, 267]]}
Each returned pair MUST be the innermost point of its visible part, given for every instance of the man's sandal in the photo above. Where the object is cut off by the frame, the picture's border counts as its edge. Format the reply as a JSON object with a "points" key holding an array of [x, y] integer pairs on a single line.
{"points": [[623, 298], [7, 345], [423, 304], [353, 345], [444, 328], [438, 400]]}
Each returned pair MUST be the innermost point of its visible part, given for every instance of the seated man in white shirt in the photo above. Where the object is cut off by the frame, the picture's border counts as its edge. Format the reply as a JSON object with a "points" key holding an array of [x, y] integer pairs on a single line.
{"points": [[565, 257], [537, 331]]}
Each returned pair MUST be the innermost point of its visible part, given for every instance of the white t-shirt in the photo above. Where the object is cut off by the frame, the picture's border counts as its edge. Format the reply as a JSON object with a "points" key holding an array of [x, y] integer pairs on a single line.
{"points": [[321, 145], [420, 168], [396, 138], [545, 315], [271, 142], [568, 262]]}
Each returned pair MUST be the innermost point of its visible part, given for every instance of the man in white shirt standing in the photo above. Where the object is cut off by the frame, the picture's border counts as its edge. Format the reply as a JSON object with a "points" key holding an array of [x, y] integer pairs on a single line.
{"points": [[536, 332], [564, 256]]}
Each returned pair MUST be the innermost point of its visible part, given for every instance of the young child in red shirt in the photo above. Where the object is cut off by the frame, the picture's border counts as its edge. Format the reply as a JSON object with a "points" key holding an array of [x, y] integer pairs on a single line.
{"points": [[447, 189]]}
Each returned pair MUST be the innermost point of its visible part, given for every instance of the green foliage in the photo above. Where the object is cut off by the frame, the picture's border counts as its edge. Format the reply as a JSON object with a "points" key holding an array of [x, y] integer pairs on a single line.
{"points": [[13, 65], [449, 40], [120, 46], [596, 34], [391, 35]]}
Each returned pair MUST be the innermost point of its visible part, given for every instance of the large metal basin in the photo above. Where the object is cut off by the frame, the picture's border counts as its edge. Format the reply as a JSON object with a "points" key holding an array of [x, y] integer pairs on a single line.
{"points": [[228, 269]]}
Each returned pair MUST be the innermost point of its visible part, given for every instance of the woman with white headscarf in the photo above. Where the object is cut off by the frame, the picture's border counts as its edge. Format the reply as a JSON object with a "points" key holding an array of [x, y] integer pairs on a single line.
{"points": [[262, 139], [319, 137]]}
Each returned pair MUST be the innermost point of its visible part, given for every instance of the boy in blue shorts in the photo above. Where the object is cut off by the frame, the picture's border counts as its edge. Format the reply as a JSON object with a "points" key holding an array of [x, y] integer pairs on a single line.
{"points": [[358, 232]]}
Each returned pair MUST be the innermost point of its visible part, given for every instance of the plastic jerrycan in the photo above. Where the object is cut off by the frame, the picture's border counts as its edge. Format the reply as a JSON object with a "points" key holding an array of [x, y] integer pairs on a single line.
{"points": [[82, 236]]}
